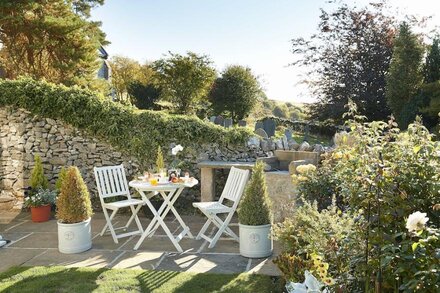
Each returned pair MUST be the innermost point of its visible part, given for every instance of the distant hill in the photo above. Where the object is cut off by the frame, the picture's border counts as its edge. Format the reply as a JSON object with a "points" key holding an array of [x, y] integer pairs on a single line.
{"points": [[286, 110]]}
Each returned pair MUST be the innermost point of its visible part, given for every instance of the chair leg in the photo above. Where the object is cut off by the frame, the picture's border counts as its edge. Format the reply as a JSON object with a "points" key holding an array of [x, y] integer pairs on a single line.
{"points": [[216, 237], [109, 224], [226, 224], [136, 219], [202, 231], [104, 229]]}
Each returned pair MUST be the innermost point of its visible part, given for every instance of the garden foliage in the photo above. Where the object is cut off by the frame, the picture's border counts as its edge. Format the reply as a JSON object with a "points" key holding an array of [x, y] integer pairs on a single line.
{"points": [[134, 132], [61, 177], [255, 206], [385, 176], [73, 203], [235, 93], [322, 242], [38, 180]]}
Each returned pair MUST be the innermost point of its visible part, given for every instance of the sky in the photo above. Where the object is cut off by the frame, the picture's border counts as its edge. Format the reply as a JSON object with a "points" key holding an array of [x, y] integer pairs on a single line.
{"points": [[252, 33]]}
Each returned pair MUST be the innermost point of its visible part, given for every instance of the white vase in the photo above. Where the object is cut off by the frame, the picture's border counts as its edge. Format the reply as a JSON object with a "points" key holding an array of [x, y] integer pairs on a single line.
{"points": [[74, 238], [255, 241]]}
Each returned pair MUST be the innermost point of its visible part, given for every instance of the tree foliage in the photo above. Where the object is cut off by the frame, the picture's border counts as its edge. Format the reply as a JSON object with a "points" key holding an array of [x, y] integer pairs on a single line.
{"points": [[184, 80], [255, 207], [405, 75], [73, 203], [235, 93], [348, 58], [53, 40], [432, 62], [133, 132], [132, 81], [144, 96], [38, 180]]}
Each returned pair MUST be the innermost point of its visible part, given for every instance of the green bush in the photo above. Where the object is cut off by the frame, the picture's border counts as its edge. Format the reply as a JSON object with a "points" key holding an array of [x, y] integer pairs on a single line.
{"points": [[37, 176], [134, 132], [73, 203], [323, 242], [255, 206], [61, 176]]}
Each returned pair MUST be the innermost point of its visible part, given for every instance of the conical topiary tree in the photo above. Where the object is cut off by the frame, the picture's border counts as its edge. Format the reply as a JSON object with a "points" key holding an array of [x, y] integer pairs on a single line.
{"points": [[61, 176], [73, 203], [37, 176], [254, 209]]}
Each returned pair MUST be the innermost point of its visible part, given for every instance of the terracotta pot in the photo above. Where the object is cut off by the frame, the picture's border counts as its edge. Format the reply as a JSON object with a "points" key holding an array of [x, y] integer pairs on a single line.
{"points": [[40, 214]]}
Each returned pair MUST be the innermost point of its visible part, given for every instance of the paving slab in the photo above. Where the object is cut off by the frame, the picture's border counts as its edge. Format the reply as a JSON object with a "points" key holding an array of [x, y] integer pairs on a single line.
{"points": [[14, 257], [43, 227], [264, 266], [203, 263], [91, 258], [38, 240], [13, 215], [222, 246], [7, 226], [138, 260], [163, 244], [14, 236]]}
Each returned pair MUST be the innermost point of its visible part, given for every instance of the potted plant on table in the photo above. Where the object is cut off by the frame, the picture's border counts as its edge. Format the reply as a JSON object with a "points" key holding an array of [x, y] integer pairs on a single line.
{"points": [[74, 212], [40, 203], [254, 215]]}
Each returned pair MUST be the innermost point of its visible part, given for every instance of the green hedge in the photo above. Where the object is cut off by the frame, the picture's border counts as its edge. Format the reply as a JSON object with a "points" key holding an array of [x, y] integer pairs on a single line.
{"points": [[132, 131]]}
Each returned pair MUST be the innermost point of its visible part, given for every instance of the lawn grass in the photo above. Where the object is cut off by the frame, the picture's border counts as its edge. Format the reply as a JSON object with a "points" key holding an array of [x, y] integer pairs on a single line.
{"points": [[77, 280]]}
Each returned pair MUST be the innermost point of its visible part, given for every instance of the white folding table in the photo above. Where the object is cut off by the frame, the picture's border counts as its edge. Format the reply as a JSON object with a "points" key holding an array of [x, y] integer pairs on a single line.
{"points": [[170, 192]]}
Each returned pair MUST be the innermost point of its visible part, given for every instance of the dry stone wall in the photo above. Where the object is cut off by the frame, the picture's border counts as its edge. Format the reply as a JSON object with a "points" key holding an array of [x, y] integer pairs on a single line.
{"points": [[23, 135]]}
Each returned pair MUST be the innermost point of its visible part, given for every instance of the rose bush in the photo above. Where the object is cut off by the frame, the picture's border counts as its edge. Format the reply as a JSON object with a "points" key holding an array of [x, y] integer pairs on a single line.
{"points": [[384, 175]]}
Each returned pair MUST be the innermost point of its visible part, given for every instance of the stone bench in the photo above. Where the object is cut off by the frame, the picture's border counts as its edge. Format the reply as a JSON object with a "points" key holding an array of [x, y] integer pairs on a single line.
{"points": [[207, 175]]}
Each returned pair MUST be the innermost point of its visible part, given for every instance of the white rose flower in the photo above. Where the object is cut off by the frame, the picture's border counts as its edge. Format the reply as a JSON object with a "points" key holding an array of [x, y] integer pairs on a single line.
{"points": [[416, 221], [176, 149]]}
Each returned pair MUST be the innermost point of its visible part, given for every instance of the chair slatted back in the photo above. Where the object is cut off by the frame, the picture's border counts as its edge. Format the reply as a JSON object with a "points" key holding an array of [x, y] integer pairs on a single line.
{"points": [[111, 181], [235, 185]]}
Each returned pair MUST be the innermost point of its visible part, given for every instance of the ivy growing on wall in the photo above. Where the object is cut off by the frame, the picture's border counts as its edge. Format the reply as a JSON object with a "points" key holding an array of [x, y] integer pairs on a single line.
{"points": [[134, 132]]}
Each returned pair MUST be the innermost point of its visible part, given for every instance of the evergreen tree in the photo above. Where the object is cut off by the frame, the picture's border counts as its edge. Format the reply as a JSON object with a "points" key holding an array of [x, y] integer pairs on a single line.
{"points": [[236, 92], [432, 64], [405, 75], [53, 40], [38, 180], [255, 207]]}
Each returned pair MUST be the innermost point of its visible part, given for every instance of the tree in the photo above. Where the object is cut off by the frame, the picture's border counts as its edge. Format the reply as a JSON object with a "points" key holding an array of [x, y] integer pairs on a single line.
{"points": [[143, 96], [236, 92], [432, 63], [348, 58], [125, 71], [405, 75], [184, 80], [53, 40]]}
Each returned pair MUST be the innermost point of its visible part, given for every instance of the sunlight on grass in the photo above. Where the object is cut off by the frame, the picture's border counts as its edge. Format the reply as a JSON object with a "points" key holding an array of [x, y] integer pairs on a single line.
{"points": [[61, 279]]}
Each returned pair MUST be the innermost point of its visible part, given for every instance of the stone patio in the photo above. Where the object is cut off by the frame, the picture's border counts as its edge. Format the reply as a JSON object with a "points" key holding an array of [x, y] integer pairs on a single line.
{"points": [[35, 244]]}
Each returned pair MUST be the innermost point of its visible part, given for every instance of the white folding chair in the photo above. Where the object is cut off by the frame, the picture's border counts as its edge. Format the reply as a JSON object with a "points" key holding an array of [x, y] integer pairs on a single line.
{"points": [[111, 182], [233, 191]]}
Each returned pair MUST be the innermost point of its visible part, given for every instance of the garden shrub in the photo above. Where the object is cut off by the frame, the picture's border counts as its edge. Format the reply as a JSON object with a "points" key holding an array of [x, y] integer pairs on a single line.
{"points": [[255, 205], [386, 175], [73, 203], [61, 176], [323, 242], [134, 132], [38, 180]]}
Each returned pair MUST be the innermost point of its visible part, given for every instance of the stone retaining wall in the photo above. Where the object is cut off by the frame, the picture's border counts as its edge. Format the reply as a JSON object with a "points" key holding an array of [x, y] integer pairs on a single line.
{"points": [[24, 135]]}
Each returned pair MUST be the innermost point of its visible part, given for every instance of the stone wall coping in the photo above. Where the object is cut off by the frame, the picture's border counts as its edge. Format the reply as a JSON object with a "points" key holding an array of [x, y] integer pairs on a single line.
{"points": [[225, 164]]}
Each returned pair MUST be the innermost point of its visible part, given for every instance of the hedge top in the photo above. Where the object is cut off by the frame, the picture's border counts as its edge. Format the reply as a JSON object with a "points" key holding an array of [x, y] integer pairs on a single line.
{"points": [[135, 132]]}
